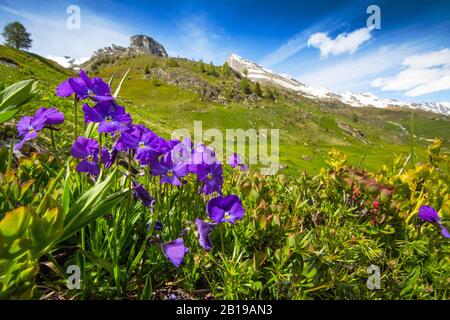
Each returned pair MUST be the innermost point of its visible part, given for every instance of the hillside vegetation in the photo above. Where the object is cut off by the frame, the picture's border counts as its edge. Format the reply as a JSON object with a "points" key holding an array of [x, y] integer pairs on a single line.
{"points": [[308, 128], [103, 197]]}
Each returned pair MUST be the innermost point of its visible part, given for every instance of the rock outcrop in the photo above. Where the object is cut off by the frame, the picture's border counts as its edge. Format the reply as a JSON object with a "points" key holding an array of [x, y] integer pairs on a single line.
{"points": [[139, 44], [145, 44]]}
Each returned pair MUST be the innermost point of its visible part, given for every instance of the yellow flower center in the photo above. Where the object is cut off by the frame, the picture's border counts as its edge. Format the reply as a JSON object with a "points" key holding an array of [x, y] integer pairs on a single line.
{"points": [[170, 173], [210, 176], [90, 158], [141, 145], [227, 216]]}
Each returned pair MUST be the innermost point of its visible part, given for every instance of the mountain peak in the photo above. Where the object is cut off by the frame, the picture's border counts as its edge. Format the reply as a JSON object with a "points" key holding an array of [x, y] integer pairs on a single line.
{"points": [[145, 44], [139, 44], [255, 73]]}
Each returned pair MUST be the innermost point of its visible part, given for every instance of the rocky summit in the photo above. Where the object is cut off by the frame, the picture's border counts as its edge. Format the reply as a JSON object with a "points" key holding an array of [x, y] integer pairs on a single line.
{"points": [[139, 44], [145, 44]]}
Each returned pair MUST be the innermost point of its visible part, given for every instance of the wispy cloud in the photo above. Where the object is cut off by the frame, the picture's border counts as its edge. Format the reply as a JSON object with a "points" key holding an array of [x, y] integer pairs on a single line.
{"points": [[287, 50], [357, 73], [195, 37], [343, 43], [423, 73], [52, 37], [292, 46]]}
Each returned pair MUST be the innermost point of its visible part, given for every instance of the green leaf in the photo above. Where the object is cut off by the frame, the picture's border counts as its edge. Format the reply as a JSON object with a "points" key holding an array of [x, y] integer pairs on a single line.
{"points": [[15, 222], [67, 190], [53, 220], [116, 93], [108, 266], [43, 206], [38, 234], [145, 295], [93, 204], [135, 261], [7, 115], [410, 282], [17, 94]]}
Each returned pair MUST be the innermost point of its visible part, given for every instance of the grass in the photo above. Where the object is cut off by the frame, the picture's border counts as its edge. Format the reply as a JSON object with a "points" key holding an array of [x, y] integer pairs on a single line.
{"points": [[307, 129], [303, 235]]}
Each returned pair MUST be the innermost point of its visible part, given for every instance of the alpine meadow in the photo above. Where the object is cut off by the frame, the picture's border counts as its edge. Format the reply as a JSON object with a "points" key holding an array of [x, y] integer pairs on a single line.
{"points": [[109, 190]]}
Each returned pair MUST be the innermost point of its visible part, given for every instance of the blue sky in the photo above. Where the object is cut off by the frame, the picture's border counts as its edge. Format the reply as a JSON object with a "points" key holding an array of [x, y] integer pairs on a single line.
{"points": [[321, 42]]}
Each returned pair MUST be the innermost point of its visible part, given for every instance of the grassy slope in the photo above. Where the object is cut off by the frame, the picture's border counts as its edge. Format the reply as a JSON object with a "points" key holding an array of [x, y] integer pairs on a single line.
{"points": [[307, 130], [29, 66]]}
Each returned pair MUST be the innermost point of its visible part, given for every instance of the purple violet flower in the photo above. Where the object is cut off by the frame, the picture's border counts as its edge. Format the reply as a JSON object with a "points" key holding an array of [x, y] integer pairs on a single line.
{"points": [[211, 176], [175, 251], [158, 226], [87, 150], [181, 151], [84, 87], [235, 161], [225, 209], [150, 147], [204, 230], [108, 158], [139, 192], [201, 155], [110, 116], [147, 144], [428, 214], [168, 171], [129, 139], [28, 127]]}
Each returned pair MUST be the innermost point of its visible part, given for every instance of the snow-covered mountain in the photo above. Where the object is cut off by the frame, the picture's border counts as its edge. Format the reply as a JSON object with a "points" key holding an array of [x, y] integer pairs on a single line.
{"points": [[255, 73], [67, 62]]}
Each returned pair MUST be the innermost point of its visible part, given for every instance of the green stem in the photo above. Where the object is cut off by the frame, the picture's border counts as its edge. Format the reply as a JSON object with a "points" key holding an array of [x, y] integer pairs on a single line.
{"points": [[11, 152], [221, 239], [180, 212], [100, 150], [206, 277], [129, 178], [52, 137], [75, 113]]}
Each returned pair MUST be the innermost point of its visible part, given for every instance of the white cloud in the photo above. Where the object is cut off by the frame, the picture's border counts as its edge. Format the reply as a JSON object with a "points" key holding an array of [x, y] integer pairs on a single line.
{"points": [[66, 61], [299, 41], [192, 37], [51, 36], [422, 74], [357, 73], [343, 43], [196, 38]]}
